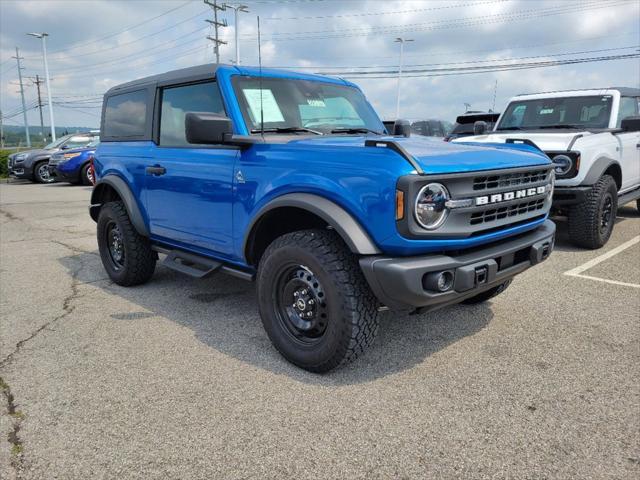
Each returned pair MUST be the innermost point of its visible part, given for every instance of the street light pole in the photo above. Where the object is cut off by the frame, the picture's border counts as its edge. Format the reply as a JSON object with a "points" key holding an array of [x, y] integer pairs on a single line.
{"points": [[401, 41], [43, 36], [236, 9]]}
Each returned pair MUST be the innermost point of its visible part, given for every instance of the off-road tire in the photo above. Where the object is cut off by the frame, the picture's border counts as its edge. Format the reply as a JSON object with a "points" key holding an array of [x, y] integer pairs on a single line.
{"points": [[36, 173], [139, 259], [488, 294], [84, 179], [584, 219], [352, 309]]}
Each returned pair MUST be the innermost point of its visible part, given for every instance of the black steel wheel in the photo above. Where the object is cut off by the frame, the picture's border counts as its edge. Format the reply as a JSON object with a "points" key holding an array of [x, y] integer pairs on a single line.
{"points": [[301, 303], [314, 302], [591, 222], [126, 255]]}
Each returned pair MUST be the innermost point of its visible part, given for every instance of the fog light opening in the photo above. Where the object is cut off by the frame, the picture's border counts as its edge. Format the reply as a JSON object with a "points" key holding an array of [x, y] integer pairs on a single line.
{"points": [[439, 281]]}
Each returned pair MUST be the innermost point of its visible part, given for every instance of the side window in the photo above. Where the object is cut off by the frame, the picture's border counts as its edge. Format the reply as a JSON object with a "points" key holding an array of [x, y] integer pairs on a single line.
{"points": [[628, 108], [177, 101], [126, 115]]}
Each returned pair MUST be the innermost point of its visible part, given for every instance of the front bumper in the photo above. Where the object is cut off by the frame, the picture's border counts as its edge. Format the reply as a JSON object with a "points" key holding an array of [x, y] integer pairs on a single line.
{"points": [[567, 196], [62, 175], [399, 283]]}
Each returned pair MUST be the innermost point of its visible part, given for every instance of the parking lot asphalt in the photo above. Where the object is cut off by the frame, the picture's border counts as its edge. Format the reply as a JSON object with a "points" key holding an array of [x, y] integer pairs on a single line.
{"points": [[177, 378]]}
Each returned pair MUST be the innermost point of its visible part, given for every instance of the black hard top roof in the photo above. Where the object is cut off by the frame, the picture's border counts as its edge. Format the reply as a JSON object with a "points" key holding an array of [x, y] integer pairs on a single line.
{"points": [[624, 91], [190, 73]]}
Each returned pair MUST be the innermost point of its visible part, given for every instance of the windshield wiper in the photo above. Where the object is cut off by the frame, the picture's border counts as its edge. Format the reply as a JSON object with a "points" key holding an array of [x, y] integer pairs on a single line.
{"points": [[509, 128], [286, 130], [562, 125], [355, 130]]}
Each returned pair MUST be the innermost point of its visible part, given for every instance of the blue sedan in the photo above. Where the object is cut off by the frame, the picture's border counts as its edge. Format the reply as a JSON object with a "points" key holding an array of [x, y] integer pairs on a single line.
{"points": [[73, 166]]}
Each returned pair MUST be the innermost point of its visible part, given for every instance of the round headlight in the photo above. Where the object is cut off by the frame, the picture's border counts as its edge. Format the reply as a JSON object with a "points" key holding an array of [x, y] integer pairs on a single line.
{"points": [[431, 209], [562, 164]]}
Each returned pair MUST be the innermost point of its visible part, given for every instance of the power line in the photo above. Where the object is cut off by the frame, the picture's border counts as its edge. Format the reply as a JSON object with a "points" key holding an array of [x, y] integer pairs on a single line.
{"points": [[440, 24], [124, 30], [489, 68], [216, 25], [368, 14]]}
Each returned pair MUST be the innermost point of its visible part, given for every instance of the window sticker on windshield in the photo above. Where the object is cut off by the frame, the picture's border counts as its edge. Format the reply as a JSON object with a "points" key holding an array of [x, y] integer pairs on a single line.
{"points": [[270, 108], [315, 102]]}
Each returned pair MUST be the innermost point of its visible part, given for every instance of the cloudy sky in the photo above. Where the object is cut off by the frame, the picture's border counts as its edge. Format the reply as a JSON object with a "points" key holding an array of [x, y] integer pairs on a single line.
{"points": [[94, 45]]}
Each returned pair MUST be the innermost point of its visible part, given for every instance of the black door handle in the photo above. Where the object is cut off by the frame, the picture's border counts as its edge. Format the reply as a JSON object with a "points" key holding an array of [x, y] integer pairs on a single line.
{"points": [[156, 170]]}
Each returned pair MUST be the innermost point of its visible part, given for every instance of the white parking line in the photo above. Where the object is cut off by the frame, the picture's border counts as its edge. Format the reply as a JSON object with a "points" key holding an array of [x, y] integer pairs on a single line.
{"points": [[577, 272]]}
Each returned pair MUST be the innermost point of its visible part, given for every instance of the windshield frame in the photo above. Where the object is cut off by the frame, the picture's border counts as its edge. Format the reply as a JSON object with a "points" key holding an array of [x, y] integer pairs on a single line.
{"points": [[514, 103], [369, 117]]}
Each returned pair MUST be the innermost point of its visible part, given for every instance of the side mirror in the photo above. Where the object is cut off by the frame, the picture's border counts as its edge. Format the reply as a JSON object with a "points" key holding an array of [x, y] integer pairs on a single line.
{"points": [[207, 128], [64, 147], [479, 127], [402, 128], [630, 124]]}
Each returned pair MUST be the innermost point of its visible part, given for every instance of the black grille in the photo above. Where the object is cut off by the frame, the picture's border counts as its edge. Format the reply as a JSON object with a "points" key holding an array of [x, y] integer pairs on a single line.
{"points": [[510, 179], [494, 214]]}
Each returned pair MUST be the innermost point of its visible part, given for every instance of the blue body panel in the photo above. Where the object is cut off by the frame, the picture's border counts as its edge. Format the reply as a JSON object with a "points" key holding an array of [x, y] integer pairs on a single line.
{"points": [[73, 166], [201, 206]]}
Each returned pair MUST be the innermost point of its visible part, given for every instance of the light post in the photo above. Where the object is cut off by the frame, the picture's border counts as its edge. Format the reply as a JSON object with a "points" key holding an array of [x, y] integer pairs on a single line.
{"points": [[401, 41], [43, 36], [236, 9]]}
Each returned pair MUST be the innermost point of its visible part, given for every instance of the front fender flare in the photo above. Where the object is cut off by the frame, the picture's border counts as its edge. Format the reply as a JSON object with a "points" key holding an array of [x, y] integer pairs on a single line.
{"points": [[124, 192], [356, 237], [597, 168]]}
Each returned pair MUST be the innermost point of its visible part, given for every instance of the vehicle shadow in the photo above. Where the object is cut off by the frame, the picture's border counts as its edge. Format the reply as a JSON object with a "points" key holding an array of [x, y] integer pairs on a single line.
{"points": [[222, 313]]}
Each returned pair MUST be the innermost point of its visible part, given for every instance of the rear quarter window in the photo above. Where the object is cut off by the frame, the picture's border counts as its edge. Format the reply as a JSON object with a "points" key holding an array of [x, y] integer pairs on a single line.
{"points": [[125, 115]]}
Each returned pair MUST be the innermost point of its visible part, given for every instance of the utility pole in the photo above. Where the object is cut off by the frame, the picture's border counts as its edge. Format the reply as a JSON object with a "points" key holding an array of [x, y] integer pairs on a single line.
{"points": [[43, 36], [495, 91], [37, 83], [216, 24], [236, 9], [1, 131], [401, 41], [24, 107]]}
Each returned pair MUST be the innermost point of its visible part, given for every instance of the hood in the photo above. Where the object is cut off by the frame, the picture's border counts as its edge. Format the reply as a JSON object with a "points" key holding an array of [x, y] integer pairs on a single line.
{"points": [[33, 153], [548, 140], [436, 156]]}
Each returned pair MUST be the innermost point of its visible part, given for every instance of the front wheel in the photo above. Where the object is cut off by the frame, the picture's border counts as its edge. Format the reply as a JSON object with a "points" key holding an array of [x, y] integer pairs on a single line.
{"points": [[126, 255], [591, 222], [86, 174], [314, 302], [41, 173]]}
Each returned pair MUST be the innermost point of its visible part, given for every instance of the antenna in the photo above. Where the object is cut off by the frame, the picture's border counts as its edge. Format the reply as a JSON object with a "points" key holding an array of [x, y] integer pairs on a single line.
{"points": [[495, 90], [260, 82]]}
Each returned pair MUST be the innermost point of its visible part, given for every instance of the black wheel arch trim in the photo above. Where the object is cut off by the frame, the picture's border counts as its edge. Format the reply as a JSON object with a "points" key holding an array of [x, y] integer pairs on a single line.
{"points": [[597, 169], [130, 203], [349, 229]]}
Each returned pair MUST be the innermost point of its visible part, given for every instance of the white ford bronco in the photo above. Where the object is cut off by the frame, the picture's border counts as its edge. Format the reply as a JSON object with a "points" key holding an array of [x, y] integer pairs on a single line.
{"points": [[593, 139]]}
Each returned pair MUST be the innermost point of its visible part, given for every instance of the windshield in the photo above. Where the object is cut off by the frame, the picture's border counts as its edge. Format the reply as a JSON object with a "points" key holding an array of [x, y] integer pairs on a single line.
{"points": [[302, 104], [568, 112], [57, 143]]}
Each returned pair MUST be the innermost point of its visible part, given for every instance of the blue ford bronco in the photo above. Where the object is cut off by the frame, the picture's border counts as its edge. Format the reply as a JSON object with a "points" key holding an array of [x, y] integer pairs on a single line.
{"points": [[291, 180]]}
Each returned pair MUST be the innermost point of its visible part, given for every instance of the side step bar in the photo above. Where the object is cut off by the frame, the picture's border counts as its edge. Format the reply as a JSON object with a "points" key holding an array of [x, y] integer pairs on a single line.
{"points": [[198, 266], [628, 197]]}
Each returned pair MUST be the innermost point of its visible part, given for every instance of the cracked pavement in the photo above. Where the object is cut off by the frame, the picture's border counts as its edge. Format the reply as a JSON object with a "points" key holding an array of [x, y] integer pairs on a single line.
{"points": [[177, 379]]}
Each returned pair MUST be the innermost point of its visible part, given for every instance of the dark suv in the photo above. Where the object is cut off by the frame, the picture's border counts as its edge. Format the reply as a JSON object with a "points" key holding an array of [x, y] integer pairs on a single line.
{"points": [[290, 180], [34, 164]]}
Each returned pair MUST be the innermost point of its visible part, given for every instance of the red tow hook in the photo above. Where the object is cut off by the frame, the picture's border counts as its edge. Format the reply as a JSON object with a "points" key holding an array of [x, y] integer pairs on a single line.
{"points": [[92, 171]]}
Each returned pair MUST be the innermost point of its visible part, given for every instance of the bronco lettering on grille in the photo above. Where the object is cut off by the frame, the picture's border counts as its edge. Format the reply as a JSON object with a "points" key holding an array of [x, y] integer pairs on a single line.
{"points": [[505, 197]]}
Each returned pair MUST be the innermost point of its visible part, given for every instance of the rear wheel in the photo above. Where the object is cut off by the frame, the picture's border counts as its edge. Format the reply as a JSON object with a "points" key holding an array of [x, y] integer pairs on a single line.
{"points": [[41, 173], [126, 255], [314, 301], [591, 222]]}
